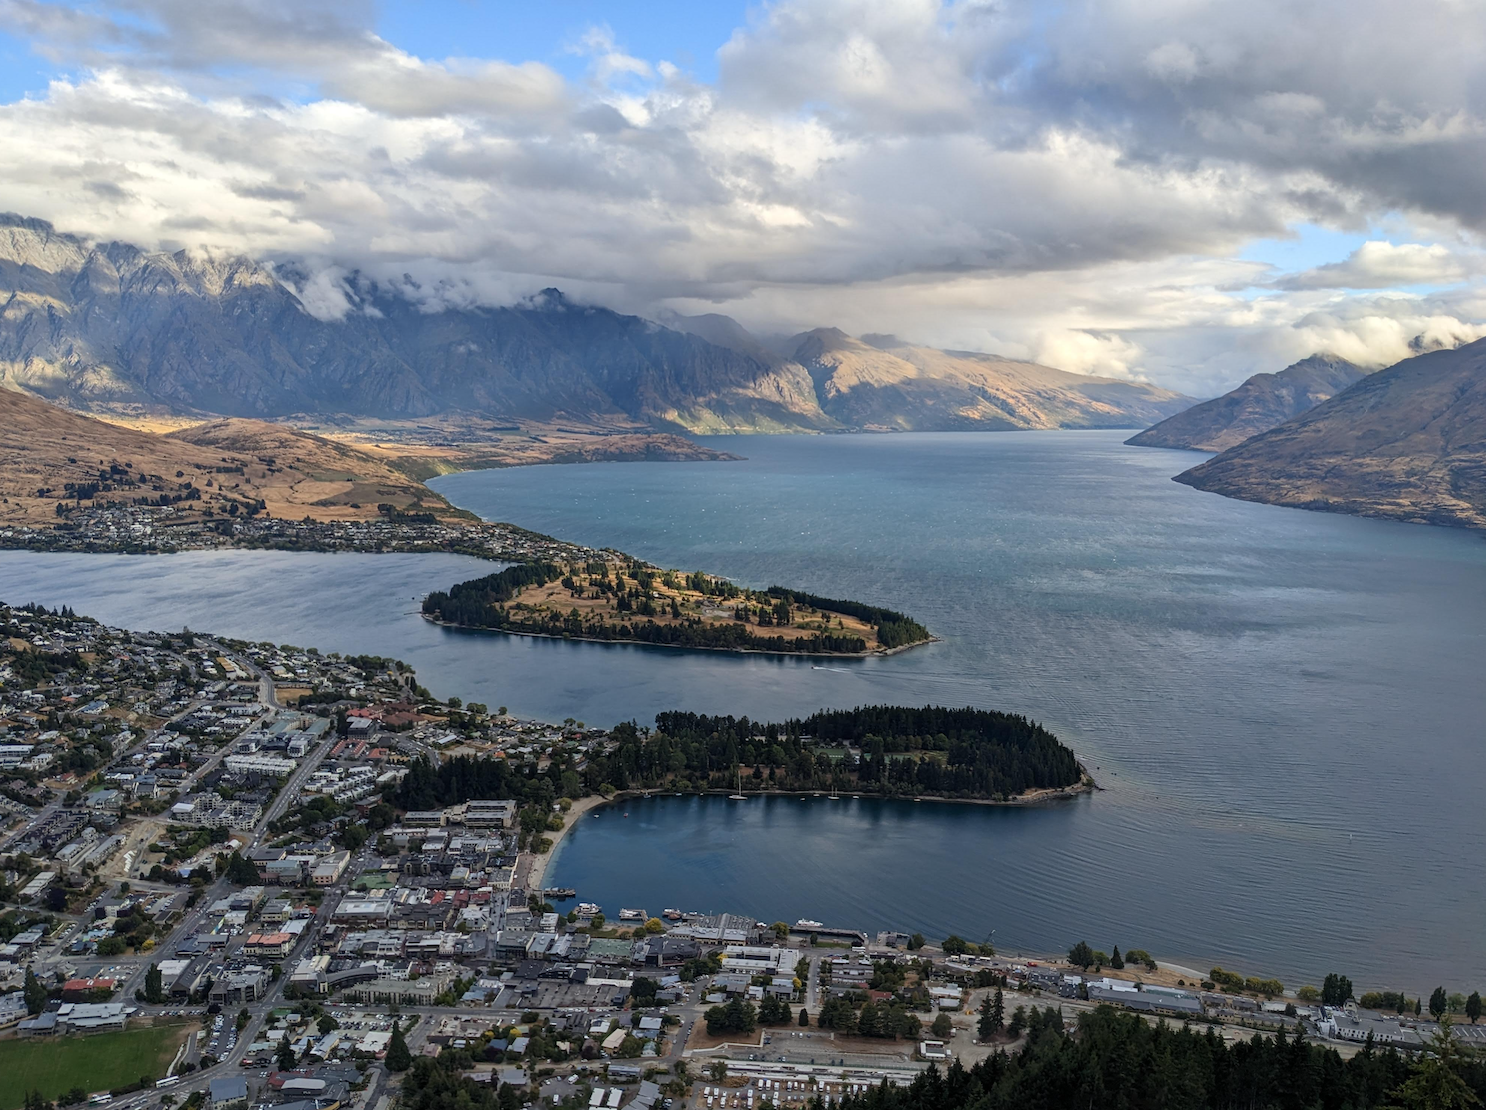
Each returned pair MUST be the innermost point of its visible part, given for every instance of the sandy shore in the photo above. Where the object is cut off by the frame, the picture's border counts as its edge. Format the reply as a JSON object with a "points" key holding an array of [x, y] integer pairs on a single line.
{"points": [[536, 878]]}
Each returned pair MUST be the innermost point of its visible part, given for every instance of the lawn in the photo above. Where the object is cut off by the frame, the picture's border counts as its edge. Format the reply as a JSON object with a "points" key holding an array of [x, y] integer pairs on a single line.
{"points": [[54, 1065]]}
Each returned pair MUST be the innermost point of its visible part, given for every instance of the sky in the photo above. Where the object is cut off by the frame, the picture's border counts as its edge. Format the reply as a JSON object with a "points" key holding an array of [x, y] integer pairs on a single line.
{"points": [[1177, 191]]}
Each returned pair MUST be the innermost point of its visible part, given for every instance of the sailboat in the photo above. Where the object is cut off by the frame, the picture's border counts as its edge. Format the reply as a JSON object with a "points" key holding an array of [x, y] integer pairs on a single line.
{"points": [[739, 796]]}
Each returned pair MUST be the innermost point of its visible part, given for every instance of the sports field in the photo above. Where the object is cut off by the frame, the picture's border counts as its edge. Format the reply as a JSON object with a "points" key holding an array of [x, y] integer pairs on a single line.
{"points": [[55, 1065]]}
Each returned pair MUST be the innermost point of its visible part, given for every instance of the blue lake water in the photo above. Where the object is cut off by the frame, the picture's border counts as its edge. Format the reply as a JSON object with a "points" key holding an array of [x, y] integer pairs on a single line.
{"points": [[1285, 708]]}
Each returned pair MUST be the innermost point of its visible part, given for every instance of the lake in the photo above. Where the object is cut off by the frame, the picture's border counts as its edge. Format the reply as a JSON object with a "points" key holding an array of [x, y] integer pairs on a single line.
{"points": [[1284, 708]]}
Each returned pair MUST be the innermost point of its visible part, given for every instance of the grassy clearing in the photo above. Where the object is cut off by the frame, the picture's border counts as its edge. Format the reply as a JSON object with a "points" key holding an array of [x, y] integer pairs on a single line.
{"points": [[54, 1065]]}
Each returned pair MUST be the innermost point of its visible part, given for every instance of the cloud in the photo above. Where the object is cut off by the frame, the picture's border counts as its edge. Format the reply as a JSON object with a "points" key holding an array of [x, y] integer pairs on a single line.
{"points": [[1068, 183], [1379, 264]]}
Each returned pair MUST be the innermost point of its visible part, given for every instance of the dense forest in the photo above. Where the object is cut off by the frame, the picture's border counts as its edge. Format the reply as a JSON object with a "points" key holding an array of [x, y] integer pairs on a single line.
{"points": [[928, 752], [487, 603], [430, 786], [1118, 1062], [905, 752]]}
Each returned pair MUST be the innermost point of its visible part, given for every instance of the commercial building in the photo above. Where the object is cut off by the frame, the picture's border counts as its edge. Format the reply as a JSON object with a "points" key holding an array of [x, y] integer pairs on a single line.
{"points": [[329, 870], [489, 814], [272, 946], [229, 1093]]}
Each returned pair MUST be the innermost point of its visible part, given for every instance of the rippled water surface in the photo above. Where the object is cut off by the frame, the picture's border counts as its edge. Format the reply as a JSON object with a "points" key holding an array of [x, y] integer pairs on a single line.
{"points": [[1285, 708]]}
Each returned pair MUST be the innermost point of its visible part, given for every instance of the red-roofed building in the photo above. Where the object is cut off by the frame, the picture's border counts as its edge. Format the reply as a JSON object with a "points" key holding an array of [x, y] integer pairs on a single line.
{"points": [[77, 990]]}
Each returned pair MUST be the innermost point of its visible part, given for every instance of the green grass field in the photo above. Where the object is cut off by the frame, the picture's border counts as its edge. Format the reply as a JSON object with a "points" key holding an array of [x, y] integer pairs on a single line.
{"points": [[54, 1065]]}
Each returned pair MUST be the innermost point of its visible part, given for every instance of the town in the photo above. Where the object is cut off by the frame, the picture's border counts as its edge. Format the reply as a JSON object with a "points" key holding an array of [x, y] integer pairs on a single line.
{"points": [[163, 529], [250, 874]]}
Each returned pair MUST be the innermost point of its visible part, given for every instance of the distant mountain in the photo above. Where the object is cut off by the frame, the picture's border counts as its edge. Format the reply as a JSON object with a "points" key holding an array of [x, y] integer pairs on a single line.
{"points": [[1408, 442], [1263, 402], [888, 384], [879, 382], [102, 327]]}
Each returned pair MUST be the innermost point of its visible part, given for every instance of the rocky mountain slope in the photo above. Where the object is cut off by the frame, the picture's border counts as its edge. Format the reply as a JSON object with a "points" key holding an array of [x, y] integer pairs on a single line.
{"points": [[110, 327], [53, 460], [1263, 402], [893, 385], [881, 383], [1408, 442]]}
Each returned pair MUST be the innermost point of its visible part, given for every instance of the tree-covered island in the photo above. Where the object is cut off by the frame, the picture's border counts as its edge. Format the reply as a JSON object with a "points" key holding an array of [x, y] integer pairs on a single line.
{"points": [[627, 600]]}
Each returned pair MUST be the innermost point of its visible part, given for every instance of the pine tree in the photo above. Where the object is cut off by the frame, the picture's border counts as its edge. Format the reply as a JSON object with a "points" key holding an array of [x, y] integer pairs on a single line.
{"points": [[1116, 961], [285, 1057], [1436, 1083], [992, 1015], [1473, 1006], [154, 984], [35, 993], [398, 1056]]}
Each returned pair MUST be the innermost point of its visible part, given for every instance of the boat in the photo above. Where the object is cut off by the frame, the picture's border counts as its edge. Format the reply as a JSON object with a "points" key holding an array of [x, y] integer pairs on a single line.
{"points": [[671, 915], [806, 923], [631, 915], [739, 796]]}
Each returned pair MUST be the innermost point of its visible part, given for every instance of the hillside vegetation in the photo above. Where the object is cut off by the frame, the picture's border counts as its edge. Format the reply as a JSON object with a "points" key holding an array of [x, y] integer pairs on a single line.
{"points": [[635, 602], [54, 462]]}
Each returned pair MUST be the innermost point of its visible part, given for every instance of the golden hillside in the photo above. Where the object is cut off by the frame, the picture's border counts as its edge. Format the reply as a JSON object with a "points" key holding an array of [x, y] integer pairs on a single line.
{"points": [[50, 457]]}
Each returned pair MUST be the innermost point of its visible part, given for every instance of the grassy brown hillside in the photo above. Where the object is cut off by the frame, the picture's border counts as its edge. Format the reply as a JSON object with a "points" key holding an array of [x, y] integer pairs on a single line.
{"points": [[1408, 442], [50, 457]]}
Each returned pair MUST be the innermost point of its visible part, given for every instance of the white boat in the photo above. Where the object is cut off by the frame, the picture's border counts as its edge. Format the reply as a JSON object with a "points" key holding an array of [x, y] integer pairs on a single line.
{"points": [[588, 909], [631, 915], [806, 923]]}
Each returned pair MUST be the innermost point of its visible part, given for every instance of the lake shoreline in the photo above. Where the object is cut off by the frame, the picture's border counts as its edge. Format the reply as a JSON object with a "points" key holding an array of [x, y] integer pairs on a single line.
{"points": [[880, 653]]}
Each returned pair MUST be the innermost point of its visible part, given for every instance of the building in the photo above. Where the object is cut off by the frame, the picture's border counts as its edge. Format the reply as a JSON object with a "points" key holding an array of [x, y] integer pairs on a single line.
{"points": [[489, 815], [362, 912], [91, 1017], [271, 946], [409, 992], [273, 766], [278, 911], [329, 870], [75, 990], [247, 985], [424, 819], [12, 1009], [229, 1093]]}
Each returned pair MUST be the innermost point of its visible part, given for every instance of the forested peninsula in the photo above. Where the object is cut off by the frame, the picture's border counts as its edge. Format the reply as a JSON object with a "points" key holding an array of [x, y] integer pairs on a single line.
{"points": [[878, 750], [624, 600]]}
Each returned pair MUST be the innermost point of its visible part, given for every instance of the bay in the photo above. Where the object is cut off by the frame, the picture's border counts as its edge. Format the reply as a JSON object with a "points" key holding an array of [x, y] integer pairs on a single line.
{"points": [[1284, 708]]}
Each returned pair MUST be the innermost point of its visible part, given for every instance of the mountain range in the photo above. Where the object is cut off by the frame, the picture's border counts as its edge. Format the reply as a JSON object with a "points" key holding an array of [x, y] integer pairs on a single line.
{"points": [[1407, 442], [1263, 402], [109, 327]]}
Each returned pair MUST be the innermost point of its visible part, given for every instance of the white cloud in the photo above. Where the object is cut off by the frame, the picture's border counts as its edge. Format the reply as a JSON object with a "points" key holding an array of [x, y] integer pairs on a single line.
{"points": [[1379, 264], [1068, 184]]}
